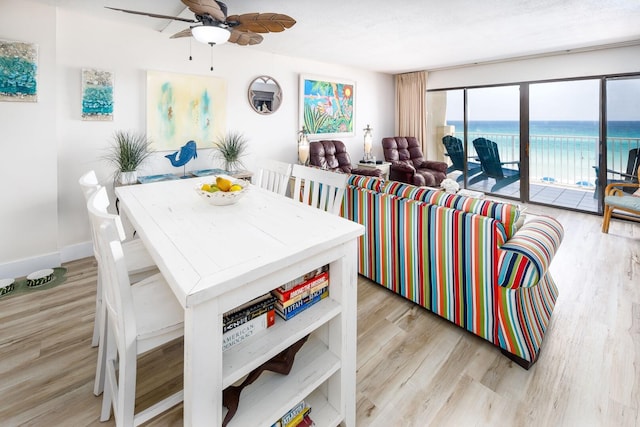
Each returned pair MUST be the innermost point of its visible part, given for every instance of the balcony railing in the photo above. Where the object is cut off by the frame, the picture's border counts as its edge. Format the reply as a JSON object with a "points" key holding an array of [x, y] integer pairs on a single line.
{"points": [[562, 159]]}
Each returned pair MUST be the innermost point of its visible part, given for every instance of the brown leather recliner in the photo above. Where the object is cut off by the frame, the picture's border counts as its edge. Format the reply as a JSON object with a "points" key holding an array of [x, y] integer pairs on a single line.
{"points": [[332, 155], [408, 164]]}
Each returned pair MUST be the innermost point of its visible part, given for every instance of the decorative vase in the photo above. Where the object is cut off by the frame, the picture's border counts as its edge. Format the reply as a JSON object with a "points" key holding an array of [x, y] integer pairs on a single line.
{"points": [[128, 178]]}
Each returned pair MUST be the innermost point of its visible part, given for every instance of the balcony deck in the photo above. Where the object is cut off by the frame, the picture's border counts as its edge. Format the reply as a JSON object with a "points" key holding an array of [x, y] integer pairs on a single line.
{"points": [[557, 195]]}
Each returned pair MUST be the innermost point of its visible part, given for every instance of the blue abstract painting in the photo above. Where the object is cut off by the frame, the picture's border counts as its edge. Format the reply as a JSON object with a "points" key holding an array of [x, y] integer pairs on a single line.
{"points": [[97, 95], [18, 71]]}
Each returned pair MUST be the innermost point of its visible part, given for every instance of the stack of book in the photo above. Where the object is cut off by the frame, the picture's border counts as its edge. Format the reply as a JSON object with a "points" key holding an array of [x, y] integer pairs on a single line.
{"points": [[298, 416], [247, 320], [301, 293]]}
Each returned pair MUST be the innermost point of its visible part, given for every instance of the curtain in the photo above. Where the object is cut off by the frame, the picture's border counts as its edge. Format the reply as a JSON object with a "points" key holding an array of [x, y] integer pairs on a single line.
{"points": [[411, 108]]}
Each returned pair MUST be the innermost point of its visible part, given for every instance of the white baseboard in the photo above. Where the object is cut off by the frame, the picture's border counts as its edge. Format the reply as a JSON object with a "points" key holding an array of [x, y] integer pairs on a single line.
{"points": [[23, 267], [77, 251]]}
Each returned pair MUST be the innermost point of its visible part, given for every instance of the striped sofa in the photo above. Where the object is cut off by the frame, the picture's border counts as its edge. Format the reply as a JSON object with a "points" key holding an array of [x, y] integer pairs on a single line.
{"points": [[461, 258]]}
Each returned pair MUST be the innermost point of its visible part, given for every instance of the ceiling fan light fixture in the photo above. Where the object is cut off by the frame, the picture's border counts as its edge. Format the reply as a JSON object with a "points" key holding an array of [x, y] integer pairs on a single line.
{"points": [[210, 34]]}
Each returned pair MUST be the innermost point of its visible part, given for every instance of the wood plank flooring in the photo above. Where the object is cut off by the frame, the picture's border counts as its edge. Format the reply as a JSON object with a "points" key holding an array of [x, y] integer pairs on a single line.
{"points": [[414, 368]]}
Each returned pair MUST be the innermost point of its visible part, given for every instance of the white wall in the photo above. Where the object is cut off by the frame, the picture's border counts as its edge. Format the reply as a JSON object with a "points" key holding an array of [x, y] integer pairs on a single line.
{"points": [[599, 62], [66, 146], [29, 170]]}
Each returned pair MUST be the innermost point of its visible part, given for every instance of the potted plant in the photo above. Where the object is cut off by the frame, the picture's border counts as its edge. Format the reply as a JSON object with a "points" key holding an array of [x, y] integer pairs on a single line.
{"points": [[127, 152], [229, 149]]}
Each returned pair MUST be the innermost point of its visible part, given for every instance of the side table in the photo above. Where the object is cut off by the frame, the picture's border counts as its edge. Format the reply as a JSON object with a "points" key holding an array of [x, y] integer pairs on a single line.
{"points": [[383, 167]]}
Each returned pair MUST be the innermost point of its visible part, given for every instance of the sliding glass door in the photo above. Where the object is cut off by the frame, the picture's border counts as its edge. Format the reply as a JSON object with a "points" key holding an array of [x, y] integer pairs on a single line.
{"points": [[493, 139], [622, 129], [564, 129]]}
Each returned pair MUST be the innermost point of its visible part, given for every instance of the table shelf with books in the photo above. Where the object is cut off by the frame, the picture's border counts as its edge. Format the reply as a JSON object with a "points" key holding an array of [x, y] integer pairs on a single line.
{"points": [[321, 375]]}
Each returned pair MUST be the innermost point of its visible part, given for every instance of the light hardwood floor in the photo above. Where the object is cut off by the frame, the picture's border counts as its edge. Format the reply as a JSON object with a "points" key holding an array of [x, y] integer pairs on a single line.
{"points": [[414, 368]]}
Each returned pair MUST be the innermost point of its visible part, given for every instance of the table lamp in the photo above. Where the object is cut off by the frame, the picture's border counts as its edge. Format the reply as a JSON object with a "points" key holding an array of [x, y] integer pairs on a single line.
{"points": [[368, 140], [303, 147]]}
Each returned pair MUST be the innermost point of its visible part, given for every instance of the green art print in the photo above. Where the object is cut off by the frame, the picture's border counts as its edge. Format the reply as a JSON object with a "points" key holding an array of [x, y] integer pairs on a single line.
{"points": [[327, 106]]}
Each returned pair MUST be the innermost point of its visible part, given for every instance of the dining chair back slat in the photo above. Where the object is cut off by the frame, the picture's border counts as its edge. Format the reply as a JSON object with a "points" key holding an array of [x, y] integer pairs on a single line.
{"points": [[274, 176], [319, 188]]}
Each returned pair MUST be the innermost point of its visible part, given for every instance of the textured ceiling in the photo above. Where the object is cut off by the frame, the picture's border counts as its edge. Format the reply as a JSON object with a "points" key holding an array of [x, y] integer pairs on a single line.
{"points": [[402, 36]]}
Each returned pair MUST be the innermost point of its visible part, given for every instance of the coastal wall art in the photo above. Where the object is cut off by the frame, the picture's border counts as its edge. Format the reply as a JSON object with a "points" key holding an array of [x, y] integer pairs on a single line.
{"points": [[97, 95], [18, 71], [184, 107], [326, 106]]}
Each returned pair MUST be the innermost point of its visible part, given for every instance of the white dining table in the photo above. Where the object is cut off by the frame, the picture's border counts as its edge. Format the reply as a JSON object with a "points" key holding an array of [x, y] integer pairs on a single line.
{"points": [[218, 257]]}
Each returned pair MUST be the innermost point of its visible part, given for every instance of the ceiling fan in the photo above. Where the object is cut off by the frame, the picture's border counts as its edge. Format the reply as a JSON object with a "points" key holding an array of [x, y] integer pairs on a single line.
{"points": [[215, 27]]}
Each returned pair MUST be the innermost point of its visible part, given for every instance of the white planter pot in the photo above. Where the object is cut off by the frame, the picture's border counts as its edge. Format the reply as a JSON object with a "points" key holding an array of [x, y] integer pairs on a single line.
{"points": [[128, 178]]}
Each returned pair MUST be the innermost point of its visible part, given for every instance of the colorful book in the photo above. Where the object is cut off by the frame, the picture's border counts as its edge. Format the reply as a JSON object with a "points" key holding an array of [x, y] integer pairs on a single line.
{"points": [[297, 420], [300, 289], [247, 305], [248, 329], [296, 308], [303, 294], [310, 275], [247, 313], [291, 414], [306, 422], [248, 316]]}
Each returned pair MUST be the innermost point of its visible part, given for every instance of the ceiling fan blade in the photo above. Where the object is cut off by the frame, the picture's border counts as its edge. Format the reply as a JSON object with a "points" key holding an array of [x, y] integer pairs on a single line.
{"points": [[184, 33], [244, 38], [262, 22], [153, 15], [206, 7]]}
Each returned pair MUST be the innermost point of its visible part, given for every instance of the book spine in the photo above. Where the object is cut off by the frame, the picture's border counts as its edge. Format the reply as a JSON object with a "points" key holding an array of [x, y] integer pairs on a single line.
{"points": [[289, 307], [307, 292], [298, 418], [302, 305], [252, 305], [237, 335], [246, 317], [299, 408], [310, 275], [241, 317], [285, 295]]}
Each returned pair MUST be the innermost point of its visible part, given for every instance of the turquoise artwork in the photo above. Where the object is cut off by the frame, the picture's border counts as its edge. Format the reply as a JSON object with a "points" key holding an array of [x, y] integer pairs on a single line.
{"points": [[327, 106], [97, 95], [18, 71]]}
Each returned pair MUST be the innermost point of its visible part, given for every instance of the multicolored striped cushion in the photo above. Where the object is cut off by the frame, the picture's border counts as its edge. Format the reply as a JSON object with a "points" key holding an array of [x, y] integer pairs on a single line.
{"points": [[368, 182], [506, 213], [525, 258]]}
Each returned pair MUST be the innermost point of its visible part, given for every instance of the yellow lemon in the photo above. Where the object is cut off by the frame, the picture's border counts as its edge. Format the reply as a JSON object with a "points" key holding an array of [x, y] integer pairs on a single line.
{"points": [[223, 183], [205, 187], [235, 187]]}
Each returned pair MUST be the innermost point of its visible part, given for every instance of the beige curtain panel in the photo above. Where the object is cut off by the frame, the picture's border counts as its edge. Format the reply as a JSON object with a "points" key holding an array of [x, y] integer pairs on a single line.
{"points": [[411, 108]]}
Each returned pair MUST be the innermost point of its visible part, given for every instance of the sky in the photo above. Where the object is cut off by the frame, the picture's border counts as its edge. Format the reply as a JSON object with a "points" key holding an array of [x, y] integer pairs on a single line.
{"points": [[567, 100]]}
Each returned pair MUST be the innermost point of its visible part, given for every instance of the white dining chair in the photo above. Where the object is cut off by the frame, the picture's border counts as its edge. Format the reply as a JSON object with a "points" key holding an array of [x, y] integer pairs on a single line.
{"points": [[139, 265], [319, 188], [273, 176], [139, 317], [138, 259]]}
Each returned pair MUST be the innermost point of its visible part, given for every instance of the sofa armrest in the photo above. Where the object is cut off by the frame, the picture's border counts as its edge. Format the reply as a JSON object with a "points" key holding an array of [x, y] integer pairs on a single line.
{"points": [[402, 167], [525, 258], [367, 172], [435, 165]]}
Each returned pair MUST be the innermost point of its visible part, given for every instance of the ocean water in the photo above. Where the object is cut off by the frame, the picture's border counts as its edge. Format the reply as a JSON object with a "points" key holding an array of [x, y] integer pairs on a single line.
{"points": [[615, 129], [562, 151]]}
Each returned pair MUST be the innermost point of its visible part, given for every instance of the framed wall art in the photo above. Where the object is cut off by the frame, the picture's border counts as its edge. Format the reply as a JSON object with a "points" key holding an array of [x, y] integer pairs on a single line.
{"points": [[327, 106], [18, 71], [184, 107], [97, 95]]}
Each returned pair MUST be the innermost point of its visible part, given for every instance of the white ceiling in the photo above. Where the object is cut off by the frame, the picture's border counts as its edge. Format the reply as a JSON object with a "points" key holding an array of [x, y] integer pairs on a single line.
{"points": [[401, 36]]}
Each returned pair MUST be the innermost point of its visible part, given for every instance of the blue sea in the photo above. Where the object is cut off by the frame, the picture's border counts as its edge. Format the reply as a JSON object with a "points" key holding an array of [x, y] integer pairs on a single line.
{"points": [[563, 151], [615, 129]]}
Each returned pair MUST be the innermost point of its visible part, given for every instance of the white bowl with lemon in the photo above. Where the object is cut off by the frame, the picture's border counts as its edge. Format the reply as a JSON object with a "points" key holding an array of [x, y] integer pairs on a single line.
{"points": [[223, 190]]}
